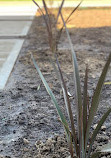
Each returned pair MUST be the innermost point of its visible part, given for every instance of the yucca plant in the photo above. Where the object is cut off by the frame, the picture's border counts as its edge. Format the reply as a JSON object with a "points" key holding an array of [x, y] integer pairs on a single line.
{"points": [[54, 34], [80, 140]]}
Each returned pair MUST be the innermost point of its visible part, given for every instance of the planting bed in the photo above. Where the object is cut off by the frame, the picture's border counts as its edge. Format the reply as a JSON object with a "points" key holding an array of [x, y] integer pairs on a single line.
{"points": [[27, 115]]}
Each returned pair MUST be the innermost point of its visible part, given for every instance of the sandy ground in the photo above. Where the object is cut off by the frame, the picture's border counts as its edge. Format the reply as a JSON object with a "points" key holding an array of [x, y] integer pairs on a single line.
{"points": [[27, 114]]}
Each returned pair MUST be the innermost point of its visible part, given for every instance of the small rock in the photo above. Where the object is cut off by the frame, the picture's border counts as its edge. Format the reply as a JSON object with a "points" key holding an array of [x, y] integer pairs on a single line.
{"points": [[94, 127], [102, 139], [39, 156], [25, 141], [39, 144], [103, 128], [25, 149], [104, 133], [46, 149]]}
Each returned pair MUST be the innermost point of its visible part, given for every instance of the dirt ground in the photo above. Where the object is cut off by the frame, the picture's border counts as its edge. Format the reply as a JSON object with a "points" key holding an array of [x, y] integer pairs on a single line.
{"points": [[29, 124]]}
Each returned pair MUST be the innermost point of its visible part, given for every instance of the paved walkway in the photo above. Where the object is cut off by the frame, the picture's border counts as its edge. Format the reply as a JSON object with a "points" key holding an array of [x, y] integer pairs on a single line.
{"points": [[15, 21], [14, 8]]}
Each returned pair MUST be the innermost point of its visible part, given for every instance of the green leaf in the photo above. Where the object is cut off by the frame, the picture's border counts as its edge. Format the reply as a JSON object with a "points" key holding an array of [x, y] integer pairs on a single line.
{"points": [[85, 102], [106, 148], [96, 97], [76, 73], [68, 107], [63, 120], [78, 95], [100, 123]]}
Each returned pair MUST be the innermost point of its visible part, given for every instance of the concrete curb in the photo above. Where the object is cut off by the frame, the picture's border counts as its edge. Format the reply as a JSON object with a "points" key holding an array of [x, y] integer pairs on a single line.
{"points": [[8, 15], [9, 63]]}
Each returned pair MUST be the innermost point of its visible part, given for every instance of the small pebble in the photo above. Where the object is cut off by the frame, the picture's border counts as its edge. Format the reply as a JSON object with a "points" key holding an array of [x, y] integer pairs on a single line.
{"points": [[103, 128], [25, 141]]}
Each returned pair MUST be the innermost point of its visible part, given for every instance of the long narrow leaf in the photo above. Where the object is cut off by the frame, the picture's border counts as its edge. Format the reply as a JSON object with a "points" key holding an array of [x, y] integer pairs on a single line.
{"points": [[52, 61], [78, 91], [96, 97], [76, 73], [102, 120], [63, 120], [85, 102], [73, 12], [68, 107], [49, 25], [71, 147], [46, 10]]}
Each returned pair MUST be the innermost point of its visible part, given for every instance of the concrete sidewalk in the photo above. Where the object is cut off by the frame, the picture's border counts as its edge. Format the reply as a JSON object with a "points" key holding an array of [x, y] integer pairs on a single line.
{"points": [[15, 22], [12, 35], [17, 8], [29, 8]]}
